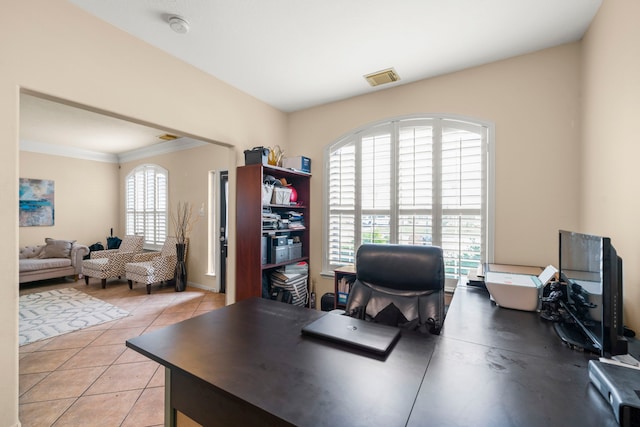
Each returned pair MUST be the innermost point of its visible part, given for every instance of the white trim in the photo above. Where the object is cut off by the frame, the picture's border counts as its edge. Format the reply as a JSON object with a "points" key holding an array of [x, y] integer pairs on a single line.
{"points": [[64, 151], [491, 188], [212, 222], [184, 143]]}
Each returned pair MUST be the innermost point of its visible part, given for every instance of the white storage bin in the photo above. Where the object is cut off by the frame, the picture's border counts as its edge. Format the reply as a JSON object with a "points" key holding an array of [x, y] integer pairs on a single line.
{"points": [[281, 196]]}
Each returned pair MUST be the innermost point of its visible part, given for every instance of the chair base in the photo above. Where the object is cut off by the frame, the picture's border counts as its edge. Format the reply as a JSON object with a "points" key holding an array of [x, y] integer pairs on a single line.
{"points": [[103, 282], [163, 283]]}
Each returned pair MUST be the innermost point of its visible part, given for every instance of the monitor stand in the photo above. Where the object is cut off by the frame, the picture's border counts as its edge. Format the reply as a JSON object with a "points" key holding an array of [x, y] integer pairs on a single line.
{"points": [[572, 336]]}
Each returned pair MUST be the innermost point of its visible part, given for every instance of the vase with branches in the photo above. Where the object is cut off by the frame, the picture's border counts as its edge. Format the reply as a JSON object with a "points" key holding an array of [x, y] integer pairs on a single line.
{"points": [[183, 221]]}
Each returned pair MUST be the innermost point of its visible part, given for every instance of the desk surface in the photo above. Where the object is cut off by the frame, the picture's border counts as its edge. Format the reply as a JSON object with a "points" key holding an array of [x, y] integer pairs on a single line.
{"points": [[490, 366], [496, 366], [253, 352]]}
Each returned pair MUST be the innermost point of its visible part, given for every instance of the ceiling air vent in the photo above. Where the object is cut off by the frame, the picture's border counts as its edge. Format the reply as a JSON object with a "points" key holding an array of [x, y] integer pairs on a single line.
{"points": [[382, 77], [167, 137]]}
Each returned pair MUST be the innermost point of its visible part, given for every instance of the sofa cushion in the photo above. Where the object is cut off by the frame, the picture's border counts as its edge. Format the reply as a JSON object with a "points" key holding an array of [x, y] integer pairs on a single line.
{"points": [[95, 264], [144, 268], [34, 264], [30, 251], [57, 248]]}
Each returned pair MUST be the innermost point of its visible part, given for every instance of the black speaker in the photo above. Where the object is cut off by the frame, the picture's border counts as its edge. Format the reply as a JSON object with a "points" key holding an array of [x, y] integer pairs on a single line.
{"points": [[327, 301]]}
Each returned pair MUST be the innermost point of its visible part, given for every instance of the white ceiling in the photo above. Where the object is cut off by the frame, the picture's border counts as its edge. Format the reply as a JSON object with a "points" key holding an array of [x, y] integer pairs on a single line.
{"points": [[295, 54], [47, 122]]}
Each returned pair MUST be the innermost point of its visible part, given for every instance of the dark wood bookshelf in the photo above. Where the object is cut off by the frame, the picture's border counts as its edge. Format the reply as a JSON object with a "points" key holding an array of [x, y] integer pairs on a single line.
{"points": [[249, 266]]}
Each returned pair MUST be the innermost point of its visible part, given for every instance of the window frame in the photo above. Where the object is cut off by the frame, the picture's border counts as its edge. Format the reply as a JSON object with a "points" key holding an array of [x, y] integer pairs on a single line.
{"points": [[355, 136], [160, 233]]}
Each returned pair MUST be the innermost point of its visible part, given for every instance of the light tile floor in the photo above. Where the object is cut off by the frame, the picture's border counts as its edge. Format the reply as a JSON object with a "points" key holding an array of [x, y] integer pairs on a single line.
{"points": [[88, 377]]}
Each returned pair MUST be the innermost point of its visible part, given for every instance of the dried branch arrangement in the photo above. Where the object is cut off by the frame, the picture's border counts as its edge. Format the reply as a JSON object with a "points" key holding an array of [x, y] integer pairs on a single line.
{"points": [[183, 221]]}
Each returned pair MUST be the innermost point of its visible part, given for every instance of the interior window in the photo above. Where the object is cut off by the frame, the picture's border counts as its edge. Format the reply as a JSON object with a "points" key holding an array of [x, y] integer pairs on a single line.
{"points": [[146, 195], [416, 181]]}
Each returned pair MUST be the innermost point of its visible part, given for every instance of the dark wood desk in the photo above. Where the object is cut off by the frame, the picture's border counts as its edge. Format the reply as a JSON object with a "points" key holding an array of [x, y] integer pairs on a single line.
{"points": [[500, 367], [247, 364]]}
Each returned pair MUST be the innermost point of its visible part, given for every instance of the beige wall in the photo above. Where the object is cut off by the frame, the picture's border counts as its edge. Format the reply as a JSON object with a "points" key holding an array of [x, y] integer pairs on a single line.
{"points": [[52, 47], [534, 102], [188, 182], [611, 93], [89, 200], [86, 200]]}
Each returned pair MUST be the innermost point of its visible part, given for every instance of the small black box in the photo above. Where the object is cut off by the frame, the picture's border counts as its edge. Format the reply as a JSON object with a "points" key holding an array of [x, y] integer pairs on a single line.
{"points": [[256, 156]]}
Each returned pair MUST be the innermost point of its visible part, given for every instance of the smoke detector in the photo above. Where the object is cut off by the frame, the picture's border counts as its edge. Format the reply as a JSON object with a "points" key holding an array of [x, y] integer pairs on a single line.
{"points": [[382, 77], [179, 24]]}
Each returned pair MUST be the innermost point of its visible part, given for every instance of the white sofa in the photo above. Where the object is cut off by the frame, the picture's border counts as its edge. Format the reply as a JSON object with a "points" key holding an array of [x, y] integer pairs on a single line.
{"points": [[56, 258]]}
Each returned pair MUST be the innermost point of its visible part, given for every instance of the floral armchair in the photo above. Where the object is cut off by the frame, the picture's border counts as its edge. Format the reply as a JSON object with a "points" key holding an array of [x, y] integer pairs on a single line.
{"points": [[153, 267], [111, 262]]}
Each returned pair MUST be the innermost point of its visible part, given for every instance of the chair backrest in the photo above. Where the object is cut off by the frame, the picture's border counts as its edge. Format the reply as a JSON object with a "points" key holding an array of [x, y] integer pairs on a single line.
{"points": [[169, 246], [131, 244], [400, 285]]}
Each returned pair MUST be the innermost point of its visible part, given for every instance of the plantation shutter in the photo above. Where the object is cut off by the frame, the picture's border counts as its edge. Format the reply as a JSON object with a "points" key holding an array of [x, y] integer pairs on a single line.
{"points": [[376, 187], [415, 184], [413, 181], [342, 205], [463, 197], [146, 204]]}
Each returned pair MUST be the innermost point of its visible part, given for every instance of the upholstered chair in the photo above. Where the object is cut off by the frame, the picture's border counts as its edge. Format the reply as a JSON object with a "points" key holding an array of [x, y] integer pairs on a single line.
{"points": [[399, 285], [110, 263], [153, 267]]}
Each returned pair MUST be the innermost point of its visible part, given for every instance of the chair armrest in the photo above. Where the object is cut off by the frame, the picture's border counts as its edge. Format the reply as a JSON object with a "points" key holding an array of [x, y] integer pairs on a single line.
{"points": [[145, 256]]}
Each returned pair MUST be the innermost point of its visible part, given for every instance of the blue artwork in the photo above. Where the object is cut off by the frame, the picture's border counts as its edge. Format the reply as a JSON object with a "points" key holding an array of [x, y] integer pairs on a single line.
{"points": [[36, 202]]}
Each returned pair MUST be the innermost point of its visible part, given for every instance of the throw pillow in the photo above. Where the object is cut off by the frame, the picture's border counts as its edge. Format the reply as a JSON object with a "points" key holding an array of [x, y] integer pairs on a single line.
{"points": [[56, 248]]}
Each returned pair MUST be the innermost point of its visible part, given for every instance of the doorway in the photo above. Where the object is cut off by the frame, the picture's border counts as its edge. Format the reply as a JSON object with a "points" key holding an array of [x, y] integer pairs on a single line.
{"points": [[58, 136], [224, 227]]}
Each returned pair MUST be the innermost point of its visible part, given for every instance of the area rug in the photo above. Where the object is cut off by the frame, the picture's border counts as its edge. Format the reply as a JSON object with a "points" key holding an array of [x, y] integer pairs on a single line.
{"points": [[52, 313]]}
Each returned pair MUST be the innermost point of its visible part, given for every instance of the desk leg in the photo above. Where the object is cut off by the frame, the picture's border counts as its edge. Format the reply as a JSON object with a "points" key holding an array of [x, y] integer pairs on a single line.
{"points": [[169, 412]]}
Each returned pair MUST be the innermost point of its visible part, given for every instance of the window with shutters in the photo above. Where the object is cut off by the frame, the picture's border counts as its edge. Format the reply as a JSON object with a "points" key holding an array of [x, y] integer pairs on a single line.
{"points": [[416, 181], [146, 204]]}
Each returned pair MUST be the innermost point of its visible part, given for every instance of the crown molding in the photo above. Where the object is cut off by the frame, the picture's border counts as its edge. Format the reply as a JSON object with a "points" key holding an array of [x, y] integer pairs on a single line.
{"points": [[183, 143], [165, 147], [65, 151]]}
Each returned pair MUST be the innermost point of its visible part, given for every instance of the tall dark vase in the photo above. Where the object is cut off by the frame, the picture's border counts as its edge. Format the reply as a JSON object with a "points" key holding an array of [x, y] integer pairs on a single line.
{"points": [[181, 268]]}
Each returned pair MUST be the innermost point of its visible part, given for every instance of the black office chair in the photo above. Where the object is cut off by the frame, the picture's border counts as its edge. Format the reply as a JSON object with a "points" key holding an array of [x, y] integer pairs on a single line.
{"points": [[399, 285]]}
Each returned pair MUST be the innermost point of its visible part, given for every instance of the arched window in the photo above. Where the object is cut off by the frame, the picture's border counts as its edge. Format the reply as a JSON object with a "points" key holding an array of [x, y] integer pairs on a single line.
{"points": [[415, 180], [146, 195]]}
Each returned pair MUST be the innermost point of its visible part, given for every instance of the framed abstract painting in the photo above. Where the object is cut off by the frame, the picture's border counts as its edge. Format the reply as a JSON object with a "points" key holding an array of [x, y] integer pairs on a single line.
{"points": [[36, 202]]}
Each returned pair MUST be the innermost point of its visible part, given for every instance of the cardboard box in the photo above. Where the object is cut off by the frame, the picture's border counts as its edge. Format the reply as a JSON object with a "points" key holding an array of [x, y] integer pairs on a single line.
{"points": [[300, 163]]}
